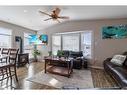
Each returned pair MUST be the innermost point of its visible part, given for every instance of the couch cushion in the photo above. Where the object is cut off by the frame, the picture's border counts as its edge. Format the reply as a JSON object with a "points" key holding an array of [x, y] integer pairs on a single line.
{"points": [[125, 62], [121, 73], [118, 72], [66, 53], [76, 54], [125, 53], [111, 65], [124, 83]]}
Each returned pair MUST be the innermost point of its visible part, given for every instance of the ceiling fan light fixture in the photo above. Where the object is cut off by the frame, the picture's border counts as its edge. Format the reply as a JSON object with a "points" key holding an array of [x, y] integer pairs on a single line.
{"points": [[54, 15]]}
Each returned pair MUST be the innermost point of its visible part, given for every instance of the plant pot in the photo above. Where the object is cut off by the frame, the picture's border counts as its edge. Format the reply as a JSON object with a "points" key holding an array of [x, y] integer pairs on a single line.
{"points": [[59, 56], [35, 59]]}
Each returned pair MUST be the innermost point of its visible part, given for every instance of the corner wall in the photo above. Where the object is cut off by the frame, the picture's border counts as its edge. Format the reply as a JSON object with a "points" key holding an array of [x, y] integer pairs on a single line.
{"points": [[103, 48]]}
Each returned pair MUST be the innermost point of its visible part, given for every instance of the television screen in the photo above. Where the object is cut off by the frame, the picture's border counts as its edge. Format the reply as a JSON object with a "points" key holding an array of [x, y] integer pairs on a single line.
{"points": [[44, 39]]}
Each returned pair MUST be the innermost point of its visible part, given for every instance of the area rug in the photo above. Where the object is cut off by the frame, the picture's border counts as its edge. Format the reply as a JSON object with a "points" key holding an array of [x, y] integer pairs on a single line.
{"points": [[102, 80], [81, 79]]}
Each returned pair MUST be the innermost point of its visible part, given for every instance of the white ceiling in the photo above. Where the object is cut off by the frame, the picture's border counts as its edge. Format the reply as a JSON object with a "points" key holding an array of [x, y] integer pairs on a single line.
{"points": [[29, 17]]}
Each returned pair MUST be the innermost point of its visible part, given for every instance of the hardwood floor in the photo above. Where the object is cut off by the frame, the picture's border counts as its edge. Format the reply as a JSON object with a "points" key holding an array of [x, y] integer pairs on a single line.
{"points": [[24, 73], [100, 79]]}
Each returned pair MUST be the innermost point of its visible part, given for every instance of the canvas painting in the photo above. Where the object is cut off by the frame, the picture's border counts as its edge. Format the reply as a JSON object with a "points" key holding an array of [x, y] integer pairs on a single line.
{"points": [[34, 39], [44, 39], [114, 32]]}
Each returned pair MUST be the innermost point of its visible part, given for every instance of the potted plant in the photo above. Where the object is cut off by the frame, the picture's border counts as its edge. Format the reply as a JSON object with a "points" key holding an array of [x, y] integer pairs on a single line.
{"points": [[50, 53], [35, 54], [60, 53]]}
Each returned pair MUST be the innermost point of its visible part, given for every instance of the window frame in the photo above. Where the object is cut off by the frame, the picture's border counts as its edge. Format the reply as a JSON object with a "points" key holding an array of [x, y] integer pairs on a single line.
{"points": [[69, 34], [61, 36], [81, 47], [60, 41], [7, 35], [26, 37]]}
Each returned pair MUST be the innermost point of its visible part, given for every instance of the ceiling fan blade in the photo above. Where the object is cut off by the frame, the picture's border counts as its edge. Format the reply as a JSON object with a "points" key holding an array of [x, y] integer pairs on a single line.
{"points": [[63, 17], [44, 13], [47, 19], [57, 11]]}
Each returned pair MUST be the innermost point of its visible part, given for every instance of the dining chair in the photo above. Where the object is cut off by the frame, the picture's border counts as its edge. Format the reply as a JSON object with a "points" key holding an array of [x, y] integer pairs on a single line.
{"points": [[4, 74], [0, 50], [12, 63], [8, 70], [4, 51], [3, 64], [0, 53]]}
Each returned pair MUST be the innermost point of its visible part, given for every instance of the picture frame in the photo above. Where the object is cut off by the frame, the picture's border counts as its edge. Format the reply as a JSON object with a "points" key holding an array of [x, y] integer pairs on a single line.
{"points": [[114, 32]]}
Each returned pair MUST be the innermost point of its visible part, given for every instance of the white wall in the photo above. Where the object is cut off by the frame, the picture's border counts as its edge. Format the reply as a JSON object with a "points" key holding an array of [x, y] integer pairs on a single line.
{"points": [[16, 31], [103, 48]]}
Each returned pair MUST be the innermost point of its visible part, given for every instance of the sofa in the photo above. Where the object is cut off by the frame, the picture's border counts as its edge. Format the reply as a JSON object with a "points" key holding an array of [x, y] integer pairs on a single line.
{"points": [[119, 73], [78, 60]]}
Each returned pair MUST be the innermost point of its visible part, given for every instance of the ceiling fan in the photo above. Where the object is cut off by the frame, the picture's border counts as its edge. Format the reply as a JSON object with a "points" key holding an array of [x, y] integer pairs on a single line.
{"points": [[54, 15]]}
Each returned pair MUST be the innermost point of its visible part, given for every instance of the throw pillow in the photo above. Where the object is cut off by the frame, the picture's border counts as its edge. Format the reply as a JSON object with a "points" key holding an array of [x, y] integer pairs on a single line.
{"points": [[118, 59]]}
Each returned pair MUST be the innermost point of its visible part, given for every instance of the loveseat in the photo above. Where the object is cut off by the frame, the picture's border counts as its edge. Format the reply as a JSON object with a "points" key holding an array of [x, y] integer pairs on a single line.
{"points": [[119, 73], [78, 60]]}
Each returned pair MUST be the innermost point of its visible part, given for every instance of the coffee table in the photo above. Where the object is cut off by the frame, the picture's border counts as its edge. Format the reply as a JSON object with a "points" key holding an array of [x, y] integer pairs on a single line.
{"points": [[51, 67]]}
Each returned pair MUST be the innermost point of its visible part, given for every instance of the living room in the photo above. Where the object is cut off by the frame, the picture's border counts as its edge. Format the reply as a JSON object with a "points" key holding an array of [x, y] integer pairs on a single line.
{"points": [[69, 37]]}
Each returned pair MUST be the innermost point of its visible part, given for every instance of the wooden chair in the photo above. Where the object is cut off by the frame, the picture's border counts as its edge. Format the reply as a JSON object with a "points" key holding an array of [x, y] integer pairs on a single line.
{"points": [[4, 51], [0, 50], [4, 70], [8, 70], [0, 53], [12, 63], [3, 64]]}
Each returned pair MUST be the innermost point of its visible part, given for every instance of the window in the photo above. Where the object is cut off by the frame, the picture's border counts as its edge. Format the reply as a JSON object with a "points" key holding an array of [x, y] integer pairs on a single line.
{"points": [[86, 40], [5, 37], [27, 47], [71, 42], [56, 43]]}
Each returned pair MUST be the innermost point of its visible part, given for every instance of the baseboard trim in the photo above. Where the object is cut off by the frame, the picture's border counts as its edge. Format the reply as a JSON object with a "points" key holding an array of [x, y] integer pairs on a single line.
{"points": [[96, 67]]}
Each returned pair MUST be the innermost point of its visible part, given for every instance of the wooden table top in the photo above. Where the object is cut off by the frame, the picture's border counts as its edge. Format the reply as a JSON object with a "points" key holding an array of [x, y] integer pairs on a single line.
{"points": [[57, 59]]}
